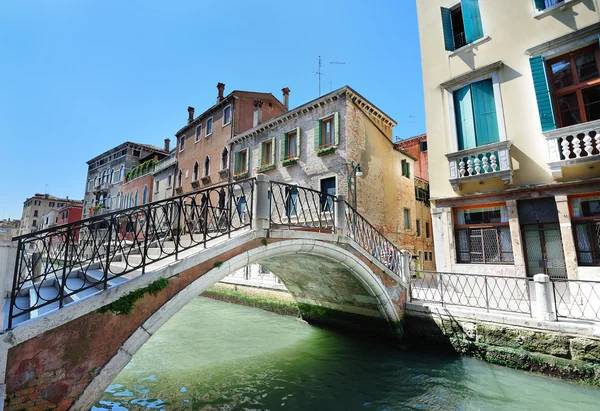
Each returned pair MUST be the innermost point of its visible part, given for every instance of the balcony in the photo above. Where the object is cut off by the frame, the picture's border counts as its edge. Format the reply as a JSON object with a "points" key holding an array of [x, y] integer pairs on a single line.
{"points": [[101, 188], [165, 163], [481, 163], [567, 146]]}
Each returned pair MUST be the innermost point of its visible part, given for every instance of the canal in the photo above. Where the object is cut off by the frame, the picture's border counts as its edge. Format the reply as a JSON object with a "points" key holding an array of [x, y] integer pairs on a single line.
{"points": [[218, 356]]}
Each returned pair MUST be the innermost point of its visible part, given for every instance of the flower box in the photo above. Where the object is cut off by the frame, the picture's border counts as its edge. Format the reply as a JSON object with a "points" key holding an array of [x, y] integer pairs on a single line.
{"points": [[324, 151], [265, 167], [239, 176], [289, 161]]}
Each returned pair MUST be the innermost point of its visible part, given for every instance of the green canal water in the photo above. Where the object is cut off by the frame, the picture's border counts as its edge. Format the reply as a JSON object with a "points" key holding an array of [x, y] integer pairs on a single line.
{"points": [[217, 356]]}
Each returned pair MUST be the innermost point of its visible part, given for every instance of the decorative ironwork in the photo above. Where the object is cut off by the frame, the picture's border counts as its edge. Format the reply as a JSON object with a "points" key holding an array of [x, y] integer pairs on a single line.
{"points": [[577, 299], [372, 241], [497, 293], [490, 245], [65, 263], [587, 241], [295, 206]]}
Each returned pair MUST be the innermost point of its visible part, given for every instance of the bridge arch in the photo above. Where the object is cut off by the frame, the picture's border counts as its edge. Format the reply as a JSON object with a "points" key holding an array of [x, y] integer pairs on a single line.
{"points": [[333, 281]]}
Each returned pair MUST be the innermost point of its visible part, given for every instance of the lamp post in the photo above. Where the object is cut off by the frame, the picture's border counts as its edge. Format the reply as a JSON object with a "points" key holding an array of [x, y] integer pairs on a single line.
{"points": [[356, 172]]}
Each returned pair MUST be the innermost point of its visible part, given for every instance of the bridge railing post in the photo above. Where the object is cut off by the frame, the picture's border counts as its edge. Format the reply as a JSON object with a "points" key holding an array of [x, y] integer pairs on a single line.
{"points": [[405, 258], [8, 268], [340, 216], [262, 214]]}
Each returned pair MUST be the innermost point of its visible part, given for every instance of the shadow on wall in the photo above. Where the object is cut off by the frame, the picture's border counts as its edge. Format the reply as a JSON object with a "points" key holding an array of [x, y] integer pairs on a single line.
{"points": [[569, 19]]}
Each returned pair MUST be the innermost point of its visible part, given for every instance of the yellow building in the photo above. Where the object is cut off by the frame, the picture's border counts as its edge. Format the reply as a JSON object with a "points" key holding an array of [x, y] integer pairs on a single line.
{"points": [[512, 98]]}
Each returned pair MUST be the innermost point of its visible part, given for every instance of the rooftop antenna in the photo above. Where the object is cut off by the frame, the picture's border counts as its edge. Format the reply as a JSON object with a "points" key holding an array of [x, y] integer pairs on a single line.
{"points": [[46, 189], [410, 117], [331, 74], [318, 73]]}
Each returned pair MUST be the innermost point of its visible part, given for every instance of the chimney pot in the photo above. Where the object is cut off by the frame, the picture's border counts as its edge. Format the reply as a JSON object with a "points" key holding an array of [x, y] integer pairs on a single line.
{"points": [[190, 114], [286, 97], [221, 88], [167, 143]]}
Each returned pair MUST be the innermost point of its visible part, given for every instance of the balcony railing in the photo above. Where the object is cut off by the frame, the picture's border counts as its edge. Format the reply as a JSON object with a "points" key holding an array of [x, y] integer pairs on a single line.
{"points": [[102, 188], [573, 145], [479, 163], [167, 162]]}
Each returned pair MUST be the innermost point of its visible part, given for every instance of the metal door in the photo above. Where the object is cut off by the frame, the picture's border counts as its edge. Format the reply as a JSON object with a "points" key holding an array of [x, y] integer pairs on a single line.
{"points": [[543, 250]]}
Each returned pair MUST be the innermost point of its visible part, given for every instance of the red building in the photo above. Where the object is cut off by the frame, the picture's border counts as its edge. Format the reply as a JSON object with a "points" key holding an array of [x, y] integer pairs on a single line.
{"points": [[70, 213], [417, 147]]}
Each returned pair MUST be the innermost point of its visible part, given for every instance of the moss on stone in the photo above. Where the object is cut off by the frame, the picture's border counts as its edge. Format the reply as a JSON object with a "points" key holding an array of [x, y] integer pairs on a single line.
{"points": [[548, 343], [585, 349], [125, 304], [264, 302]]}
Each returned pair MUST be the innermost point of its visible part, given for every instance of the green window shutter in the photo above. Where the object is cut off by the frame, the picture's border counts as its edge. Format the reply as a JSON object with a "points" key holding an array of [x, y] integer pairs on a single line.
{"points": [[472, 20], [407, 169], [237, 165], [317, 138], [260, 154], [283, 147], [247, 159], [484, 112], [273, 150], [336, 129], [465, 124], [403, 167], [542, 92], [540, 4], [447, 26], [297, 141]]}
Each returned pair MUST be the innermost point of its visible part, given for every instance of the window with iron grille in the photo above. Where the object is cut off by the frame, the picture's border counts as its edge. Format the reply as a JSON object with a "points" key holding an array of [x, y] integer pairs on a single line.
{"points": [[483, 236], [585, 213]]}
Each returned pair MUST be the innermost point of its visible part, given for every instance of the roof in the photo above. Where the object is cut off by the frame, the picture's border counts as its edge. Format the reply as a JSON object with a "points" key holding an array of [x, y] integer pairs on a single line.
{"points": [[50, 197], [360, 100], [227, 99], [403, 151], [128, 144], [408, 139]]}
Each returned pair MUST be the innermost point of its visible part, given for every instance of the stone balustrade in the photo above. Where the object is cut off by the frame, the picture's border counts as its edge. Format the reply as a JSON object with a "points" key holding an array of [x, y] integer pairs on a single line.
{"points": [[489, 161], [573, 145]]}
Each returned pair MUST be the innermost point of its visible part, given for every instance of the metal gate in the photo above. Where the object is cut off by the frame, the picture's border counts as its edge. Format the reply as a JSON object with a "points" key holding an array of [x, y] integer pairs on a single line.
{"points": [[543, 250]]}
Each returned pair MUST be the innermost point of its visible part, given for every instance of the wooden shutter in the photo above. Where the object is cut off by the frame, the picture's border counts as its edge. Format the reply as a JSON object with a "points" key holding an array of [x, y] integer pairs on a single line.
{"points": [[540, 5], [542, 92], [336, 129], [472, 20], [403, 167], [484, 112], [317, 137], [237, 164], [465, 124], [260, 154], [298, 142], [283, 147], [447, 26], [272, 150]]}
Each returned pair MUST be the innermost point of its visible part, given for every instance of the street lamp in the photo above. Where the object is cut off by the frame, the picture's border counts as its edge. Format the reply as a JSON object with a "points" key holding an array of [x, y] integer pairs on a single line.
{"points": [[356, 172]]}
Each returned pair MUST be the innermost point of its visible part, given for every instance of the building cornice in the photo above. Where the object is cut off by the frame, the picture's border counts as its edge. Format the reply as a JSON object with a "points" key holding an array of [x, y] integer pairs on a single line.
{"points": [[587, 33], [471, 75]]}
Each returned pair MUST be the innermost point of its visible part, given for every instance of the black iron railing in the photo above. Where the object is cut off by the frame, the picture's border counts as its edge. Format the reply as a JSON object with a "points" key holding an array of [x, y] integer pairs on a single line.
{"points": [[576, 299], [59, 265], [372, 241], [489, 292], [301, 207]]}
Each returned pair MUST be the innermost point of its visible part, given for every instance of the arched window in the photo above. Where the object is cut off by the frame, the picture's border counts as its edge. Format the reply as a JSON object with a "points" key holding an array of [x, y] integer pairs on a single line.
{"points": [[122, 173], [145, 195], [118, 205], [196, 169], [101, 199], [108, 201], [225, 159], [206, 166], [179, 178], [136, 198]]}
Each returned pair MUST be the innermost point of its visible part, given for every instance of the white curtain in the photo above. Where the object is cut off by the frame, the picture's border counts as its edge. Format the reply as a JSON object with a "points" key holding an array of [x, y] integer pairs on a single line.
{"points": [[576, 204], [461, 219]]}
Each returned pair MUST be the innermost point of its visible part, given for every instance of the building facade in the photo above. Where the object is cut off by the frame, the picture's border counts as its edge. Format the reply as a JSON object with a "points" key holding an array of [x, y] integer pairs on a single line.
{"points": [[36, 207], [417, 148], [8, 229], [164, 176], [512, 93], [320, 144], [203, 153], [106, 174]]}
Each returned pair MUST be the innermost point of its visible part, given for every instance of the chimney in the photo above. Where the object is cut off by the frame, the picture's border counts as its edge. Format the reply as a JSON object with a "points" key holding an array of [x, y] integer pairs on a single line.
{"points": [[257, 113], [190, 114], [167, 143], [221, 88], [286, 97]]}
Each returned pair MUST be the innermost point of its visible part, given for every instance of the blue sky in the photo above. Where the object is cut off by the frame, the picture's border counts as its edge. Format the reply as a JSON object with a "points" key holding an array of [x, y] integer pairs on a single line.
{"points": [[78, 77]]}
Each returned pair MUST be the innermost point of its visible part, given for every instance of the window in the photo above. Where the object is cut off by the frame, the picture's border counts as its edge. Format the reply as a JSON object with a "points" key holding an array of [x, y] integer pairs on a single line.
{"points": [[168, 181], [108, 202], [241, 162], [136, 198], [35, 213], [113, 177], [483, 235], [181, 143], [209, 126], [541, 5], [406, 219], [426, 229], [119, 205], [122, 174], [144, 195], [195, 172], [585, 215], [326, 132], [157, 185], [179, 178], [328, 189], [37, 202], [34, 223], [430, 256], [136, 153], [51, 204], [225, 159], [475, 114], [423, 146], [267, 151], [290, 144], [198, 133], [206, 167], [461, 24], [426, 256], [90, 185], [418, 227], [405, 169], [226, 115], [575, 83]]}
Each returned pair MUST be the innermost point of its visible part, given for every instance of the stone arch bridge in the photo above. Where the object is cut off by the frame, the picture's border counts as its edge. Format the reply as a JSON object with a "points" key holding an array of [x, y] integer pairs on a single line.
{"points": [[63, 344]]}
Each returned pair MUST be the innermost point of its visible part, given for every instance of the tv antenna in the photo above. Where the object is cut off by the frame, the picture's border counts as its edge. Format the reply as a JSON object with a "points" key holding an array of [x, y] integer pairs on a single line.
{"points": [[331, 75], [319, 74], [410, 118]]}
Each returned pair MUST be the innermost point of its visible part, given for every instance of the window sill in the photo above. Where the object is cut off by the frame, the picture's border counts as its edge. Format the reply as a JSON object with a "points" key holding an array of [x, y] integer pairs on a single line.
{"points": [[208, 135], [470, 46], [324, 151], [197, 141], [226, 124], [550, 10]]}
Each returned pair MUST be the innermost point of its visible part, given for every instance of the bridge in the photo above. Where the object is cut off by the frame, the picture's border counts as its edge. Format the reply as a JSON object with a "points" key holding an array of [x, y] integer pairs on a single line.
{"points": [[87, 295]]}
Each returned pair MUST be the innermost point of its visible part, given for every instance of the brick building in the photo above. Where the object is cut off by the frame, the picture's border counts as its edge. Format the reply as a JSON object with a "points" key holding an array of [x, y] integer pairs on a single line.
{"points": [[202, 149]]}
